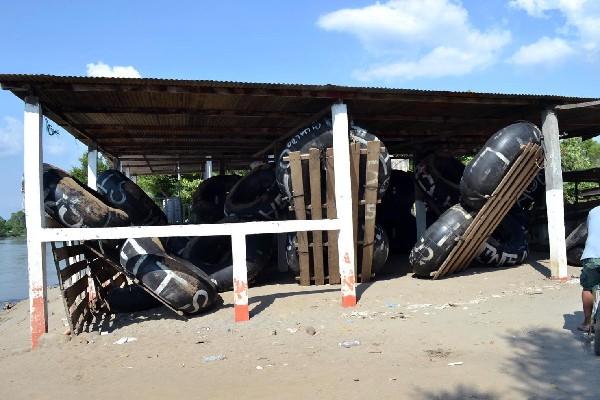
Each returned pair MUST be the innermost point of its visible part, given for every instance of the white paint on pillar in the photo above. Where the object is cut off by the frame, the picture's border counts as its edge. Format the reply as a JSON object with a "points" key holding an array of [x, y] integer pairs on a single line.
{"points": [[343, 201], [554, 196], [207, 169], [34, 218], [240, 277], [92, 167]]}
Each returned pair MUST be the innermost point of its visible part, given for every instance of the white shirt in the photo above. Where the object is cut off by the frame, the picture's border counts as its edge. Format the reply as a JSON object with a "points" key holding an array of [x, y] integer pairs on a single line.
{"points": [[592, 243]]}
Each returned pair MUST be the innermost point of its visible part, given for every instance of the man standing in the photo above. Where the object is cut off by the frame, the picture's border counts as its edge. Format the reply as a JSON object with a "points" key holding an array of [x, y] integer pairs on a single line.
{"points": [[590, 260]]}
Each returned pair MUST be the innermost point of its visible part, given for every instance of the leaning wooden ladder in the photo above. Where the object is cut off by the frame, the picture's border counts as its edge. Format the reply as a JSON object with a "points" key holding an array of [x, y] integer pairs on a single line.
{"points": [[364, 166], [527, 165]]}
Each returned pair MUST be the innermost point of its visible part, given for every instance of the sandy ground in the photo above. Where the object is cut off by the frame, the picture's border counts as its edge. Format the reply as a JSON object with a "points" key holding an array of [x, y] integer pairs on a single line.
{"points": [[512, 331]]}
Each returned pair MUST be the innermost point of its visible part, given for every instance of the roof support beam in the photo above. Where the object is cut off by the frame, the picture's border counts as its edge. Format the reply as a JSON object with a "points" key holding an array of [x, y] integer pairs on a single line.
{"points": [[554, 196]]}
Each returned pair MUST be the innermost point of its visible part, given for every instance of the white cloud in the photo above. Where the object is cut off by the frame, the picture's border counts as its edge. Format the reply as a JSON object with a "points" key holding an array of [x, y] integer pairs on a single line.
{"points": [[582, 19], [437, 33], [11, 137], [544, 51], [117, 71]]}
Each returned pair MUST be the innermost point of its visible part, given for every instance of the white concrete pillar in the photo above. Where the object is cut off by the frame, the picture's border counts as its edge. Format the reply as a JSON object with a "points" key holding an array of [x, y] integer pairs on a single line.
{"points": [[343, 202], [240, 277], [554, 196], [207, 169], [92, 167], [34, 218]]}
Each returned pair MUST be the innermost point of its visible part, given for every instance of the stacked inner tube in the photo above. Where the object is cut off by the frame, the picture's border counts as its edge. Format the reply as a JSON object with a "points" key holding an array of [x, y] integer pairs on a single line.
{"points": [[319, 135], [380, 251], [438, 177], [508, 244], [255, 196], [208, 200], [74, 205], [176, 281], [121, 192], [485, 171], [212, 254], [575, 243]]}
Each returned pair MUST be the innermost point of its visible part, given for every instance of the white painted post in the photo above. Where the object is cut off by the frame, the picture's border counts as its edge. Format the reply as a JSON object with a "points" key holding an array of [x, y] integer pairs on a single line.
{"points": [[34, 218], [343, 201], [240, 277], [92, 172], [554, 196], [207, 169], [127, 172]]}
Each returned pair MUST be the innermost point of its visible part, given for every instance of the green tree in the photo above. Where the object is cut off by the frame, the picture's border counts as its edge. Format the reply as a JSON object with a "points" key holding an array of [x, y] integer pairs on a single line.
{"points": [[577, 154], [15, 226], [80, 172], [160, 186], [3, 228]]}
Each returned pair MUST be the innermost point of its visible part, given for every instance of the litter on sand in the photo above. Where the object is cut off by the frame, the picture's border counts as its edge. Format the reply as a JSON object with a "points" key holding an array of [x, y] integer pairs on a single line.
{"points": [[126, 339], [452, 364]]}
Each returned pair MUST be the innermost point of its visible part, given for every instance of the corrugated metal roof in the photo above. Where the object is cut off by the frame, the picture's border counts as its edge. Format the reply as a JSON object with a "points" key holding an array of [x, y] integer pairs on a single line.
{"points": [[187, 120]]}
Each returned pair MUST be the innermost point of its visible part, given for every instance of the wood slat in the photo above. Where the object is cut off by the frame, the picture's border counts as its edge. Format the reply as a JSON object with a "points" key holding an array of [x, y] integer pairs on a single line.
{"points": [[371, 190], [332, 236], [519, 176], [80, 309], [75, 290], [508, 192], [354, 182], [314, 168], [298, 200], [72, 269], [63, 253]]}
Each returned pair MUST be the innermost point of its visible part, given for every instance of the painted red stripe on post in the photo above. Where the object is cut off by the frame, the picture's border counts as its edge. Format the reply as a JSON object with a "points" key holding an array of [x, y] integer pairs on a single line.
{"points": [[38, 317], [348, 301], [242, 313]]}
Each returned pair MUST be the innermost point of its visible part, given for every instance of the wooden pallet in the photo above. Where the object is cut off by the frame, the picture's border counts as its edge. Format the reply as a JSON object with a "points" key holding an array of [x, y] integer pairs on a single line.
{"points": [[318, 251], [527, 165], [83, 278]]}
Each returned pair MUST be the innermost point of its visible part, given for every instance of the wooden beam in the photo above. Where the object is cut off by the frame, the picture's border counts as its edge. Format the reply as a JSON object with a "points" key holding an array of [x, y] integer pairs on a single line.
{"points": [[34, 218], [554, 196], [587, 104]]}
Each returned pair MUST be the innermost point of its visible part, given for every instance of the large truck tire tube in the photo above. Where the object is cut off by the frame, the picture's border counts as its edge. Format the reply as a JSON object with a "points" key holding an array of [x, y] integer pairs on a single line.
{"points": [[177, 282], [485, 171], [130, 299], [74, 205], [438, 240], [213, 255], [255, 196], [508, 245], [208, 201], [381, 250], [438, 176], [121, 192], [320, 135], [575, 244], [534, 194]]}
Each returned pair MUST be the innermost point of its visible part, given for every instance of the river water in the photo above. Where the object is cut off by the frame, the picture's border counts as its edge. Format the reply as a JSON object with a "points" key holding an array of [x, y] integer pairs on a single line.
{"points": [[13, 269]]}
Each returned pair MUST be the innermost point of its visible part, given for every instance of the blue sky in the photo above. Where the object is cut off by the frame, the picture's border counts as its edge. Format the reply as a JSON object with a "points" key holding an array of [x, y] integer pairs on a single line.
{"points": [[510, 46]]}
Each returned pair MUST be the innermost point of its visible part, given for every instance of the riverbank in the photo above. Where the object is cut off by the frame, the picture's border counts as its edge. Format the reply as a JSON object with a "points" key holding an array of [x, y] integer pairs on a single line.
{"points": [[495, 334]]}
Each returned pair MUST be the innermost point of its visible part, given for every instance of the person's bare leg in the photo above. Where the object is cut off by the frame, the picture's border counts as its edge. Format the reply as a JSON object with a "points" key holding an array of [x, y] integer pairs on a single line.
{"points": [[587, 298]]}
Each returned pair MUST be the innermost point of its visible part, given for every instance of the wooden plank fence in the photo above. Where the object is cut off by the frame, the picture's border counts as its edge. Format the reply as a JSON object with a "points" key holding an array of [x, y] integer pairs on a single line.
{"points": [[313, 197]]}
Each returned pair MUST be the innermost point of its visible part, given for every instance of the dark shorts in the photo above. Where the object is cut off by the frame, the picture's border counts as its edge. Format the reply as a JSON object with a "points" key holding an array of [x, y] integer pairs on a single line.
{"points": [[590, 273]]}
